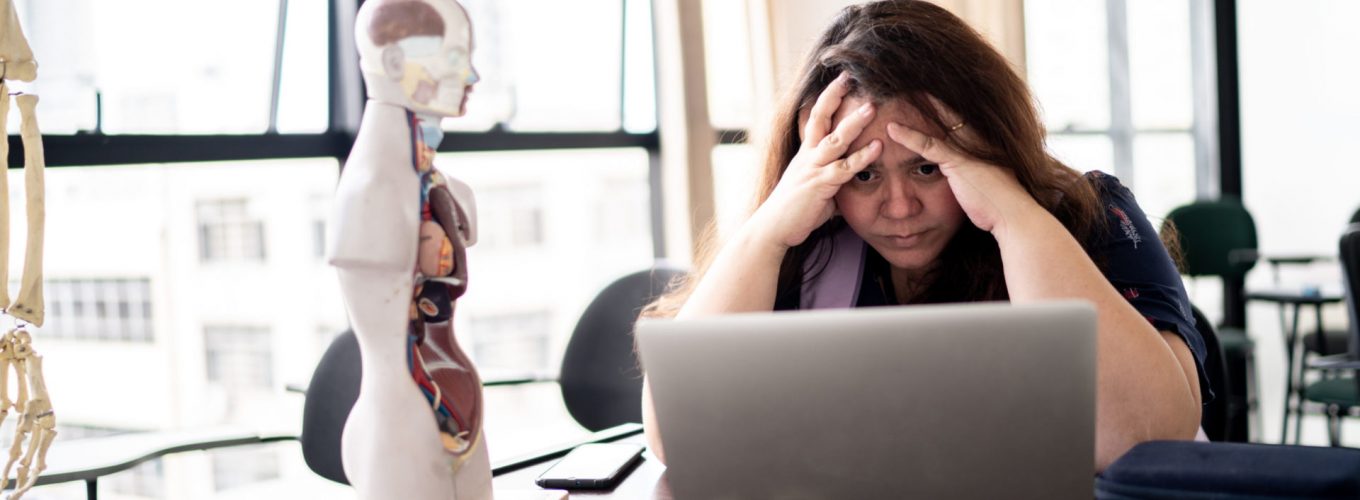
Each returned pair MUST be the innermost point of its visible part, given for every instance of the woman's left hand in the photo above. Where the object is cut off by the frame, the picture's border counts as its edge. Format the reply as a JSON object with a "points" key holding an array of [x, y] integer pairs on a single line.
{"points": [[989, 195]]}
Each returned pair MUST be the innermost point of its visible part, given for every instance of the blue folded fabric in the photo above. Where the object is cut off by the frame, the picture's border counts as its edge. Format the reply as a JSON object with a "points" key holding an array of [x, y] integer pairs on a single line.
{"points": [[1198, 470]]}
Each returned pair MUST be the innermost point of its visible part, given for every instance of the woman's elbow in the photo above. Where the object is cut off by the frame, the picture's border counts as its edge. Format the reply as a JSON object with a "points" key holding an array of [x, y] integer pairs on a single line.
{"points": [[654, 443], [649, 426], [1177, 424]]}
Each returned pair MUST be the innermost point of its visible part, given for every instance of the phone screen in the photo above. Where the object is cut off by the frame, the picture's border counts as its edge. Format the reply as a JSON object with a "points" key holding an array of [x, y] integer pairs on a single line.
{"points": [[595, 465]]}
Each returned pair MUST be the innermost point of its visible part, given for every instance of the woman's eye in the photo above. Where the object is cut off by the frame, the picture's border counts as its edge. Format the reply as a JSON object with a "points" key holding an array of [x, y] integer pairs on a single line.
{"points": [[928, 169], [864, 176]]}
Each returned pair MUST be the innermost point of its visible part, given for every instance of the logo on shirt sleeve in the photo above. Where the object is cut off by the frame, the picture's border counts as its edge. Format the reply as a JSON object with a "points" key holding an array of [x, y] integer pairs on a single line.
{"points": [[1126, 224]]}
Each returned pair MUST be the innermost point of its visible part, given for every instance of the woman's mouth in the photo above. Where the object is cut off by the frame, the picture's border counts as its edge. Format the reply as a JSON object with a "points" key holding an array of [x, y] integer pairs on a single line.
{"points": [[905, 240]]}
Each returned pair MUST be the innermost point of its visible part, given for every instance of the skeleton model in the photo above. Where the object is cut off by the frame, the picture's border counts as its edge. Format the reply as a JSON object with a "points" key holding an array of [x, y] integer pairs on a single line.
{"points": [[398, 234], [36, 422]]}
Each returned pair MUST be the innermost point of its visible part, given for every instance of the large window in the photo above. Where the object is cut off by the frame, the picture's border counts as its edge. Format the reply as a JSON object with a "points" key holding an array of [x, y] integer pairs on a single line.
{"points": [[554, 227], [177, 66], [198, 147], [1114, 83], [1300, 113]]}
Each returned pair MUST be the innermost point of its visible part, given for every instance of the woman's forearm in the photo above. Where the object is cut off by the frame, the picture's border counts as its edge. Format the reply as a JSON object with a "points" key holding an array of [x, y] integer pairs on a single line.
{"points": [[742, 278], [1145, 391]]}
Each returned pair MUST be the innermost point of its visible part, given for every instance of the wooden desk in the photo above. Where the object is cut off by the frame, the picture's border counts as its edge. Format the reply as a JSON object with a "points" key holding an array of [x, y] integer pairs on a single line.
{"points": [[648, 479]]}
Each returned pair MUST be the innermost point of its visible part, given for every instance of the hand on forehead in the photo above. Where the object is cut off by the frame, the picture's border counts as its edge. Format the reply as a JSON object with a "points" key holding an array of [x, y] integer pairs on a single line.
{"points": [[896, 110]]}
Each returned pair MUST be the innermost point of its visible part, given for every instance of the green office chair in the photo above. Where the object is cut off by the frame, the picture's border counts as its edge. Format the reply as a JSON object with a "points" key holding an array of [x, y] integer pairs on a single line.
{"points": [[1218, 238], [1339, 393]]}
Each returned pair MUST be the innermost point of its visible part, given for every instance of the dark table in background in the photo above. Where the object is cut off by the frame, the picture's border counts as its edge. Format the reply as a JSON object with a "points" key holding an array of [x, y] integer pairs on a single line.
{"points": [[1295, 299]]}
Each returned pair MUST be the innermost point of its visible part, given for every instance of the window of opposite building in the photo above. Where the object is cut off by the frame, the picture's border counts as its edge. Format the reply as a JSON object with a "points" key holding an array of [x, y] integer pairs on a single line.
{"points": [[111, 310], [239, 358], [228, 232]]}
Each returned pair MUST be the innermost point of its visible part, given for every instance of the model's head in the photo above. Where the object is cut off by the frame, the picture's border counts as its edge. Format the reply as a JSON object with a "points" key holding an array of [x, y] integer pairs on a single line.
{"points": [[417, 54]]}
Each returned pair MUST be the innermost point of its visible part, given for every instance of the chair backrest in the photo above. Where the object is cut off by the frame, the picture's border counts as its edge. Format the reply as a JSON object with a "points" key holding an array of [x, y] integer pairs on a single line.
{"points": [[1350, 268], [1214, 417], [330, 397], [600, 378], [1218, 237]]}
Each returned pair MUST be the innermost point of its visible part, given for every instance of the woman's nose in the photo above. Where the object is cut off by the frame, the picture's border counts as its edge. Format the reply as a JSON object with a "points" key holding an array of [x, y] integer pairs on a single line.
{"points": [[900, 200]]}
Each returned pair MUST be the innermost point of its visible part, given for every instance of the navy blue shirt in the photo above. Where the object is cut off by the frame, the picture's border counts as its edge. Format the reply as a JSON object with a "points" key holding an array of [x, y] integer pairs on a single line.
{"points": [[1134, 260], [1129, 253]]}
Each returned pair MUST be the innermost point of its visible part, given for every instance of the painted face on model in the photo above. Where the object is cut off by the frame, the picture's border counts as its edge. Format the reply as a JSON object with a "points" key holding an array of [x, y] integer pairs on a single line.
{"points": [[418, 54]]}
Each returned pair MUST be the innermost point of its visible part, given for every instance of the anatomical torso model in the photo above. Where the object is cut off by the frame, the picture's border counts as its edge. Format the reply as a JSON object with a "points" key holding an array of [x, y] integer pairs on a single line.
{"points": [[398, 234]]}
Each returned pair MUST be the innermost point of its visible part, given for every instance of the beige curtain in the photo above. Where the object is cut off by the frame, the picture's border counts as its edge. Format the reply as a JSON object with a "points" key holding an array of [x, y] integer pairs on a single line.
{"points": [[790, 27]]}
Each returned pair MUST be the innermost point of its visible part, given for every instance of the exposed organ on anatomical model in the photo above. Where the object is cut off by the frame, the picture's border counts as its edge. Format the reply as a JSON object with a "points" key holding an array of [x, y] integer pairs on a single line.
{"points": [[399, 231]]}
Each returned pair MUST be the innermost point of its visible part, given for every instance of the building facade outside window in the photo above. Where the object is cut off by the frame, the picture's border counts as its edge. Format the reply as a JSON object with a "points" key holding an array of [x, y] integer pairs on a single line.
{"points": [[227, 232], [106, 310], [239, 358]]}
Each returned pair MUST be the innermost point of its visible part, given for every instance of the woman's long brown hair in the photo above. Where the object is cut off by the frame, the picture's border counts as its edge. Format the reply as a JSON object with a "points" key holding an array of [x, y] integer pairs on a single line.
{"points": [[912, 50]]}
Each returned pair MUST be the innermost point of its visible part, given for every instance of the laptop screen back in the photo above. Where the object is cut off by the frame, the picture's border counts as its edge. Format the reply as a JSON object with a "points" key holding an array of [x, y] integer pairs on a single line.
{"points": [[955, 401]]}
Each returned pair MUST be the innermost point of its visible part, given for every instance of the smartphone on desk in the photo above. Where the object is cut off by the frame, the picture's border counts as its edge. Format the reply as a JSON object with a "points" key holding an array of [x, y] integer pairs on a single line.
{"points": [[592, 466]]}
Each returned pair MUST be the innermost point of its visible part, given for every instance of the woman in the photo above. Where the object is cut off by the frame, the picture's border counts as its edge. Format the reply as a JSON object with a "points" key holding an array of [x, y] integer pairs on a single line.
{"points": [[910, 154]]}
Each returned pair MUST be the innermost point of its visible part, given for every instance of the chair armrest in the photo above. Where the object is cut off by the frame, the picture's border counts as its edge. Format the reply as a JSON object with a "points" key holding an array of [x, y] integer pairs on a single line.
{"points": [[1243, 255], [1335, 362], [1276, 260], [515, 381], [500, 378]]}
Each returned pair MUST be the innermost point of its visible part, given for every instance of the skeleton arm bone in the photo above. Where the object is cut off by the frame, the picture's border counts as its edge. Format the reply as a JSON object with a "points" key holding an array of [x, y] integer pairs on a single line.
{"points": [[28, 306], [16, 58], [4, 195]]}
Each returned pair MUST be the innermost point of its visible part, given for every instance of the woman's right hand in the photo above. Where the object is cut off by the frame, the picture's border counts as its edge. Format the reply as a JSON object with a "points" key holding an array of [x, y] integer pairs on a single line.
{"points": [[804, 197]]}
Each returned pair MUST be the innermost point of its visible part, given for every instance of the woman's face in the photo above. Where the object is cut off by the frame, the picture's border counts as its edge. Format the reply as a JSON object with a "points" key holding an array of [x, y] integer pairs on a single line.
{"points": [[901, 205]]}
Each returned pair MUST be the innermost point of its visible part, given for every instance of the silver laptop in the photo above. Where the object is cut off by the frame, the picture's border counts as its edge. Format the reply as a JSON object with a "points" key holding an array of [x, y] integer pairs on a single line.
{"points": [[954, 401]]}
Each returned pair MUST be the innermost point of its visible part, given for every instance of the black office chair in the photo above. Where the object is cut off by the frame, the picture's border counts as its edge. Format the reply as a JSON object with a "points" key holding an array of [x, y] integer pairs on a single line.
{"points": [[330, 397], [1338, 393], [600, 379], [1220, 423]]}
